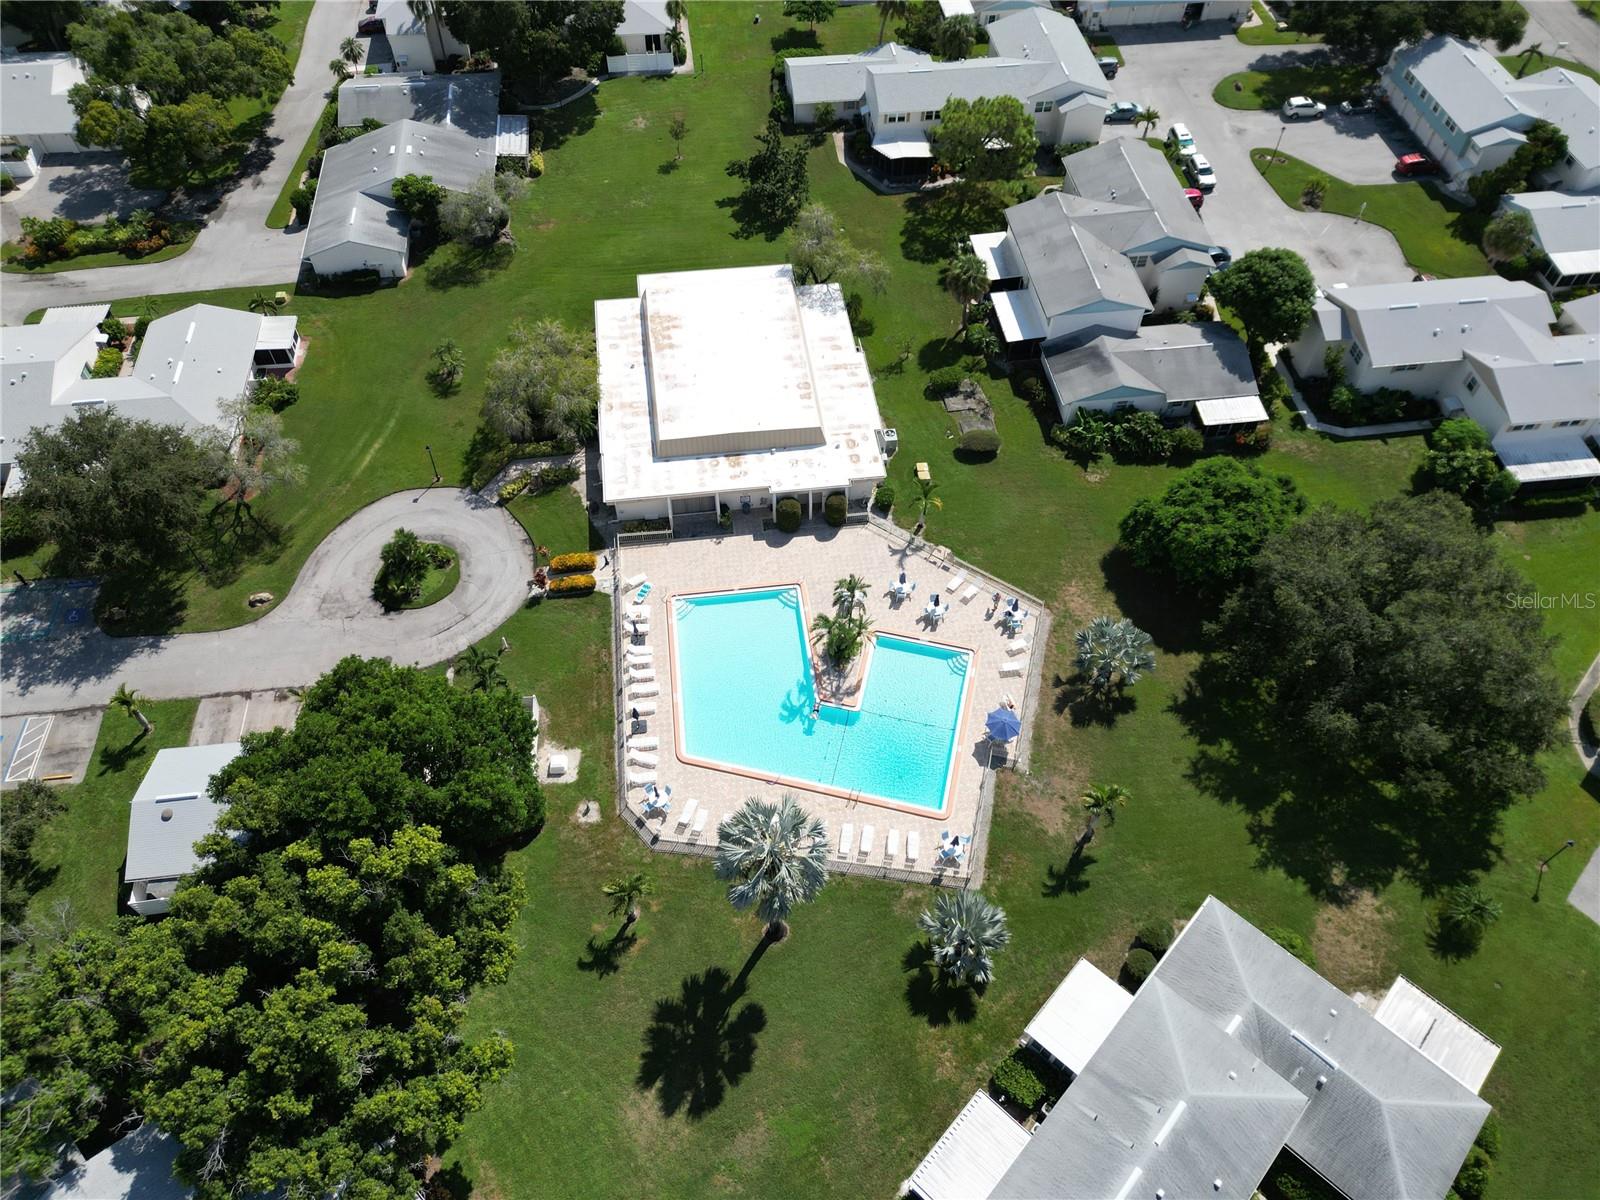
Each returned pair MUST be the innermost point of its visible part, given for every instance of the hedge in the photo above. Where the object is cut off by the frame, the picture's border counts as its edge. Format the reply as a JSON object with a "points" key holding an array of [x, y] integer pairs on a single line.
{"points": [[1293, 943], [582, 560], [834, 509], [1155, 935], [1139, 964], [945, 380], [883, 501], [980, 441], [1015, 1077], [553, 477], [788, 514], [515, 486], [1186, 444], [571, 585], [107, 363]]}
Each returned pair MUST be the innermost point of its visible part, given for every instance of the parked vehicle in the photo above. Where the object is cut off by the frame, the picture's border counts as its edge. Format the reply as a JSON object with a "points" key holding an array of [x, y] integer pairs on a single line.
{"points": [[1180, 141], [1199, 171], [1365, 104], [1415, 164], [1123, 112], [1195, 197], [1108, 66], [1423, 277], [1296, 107]]}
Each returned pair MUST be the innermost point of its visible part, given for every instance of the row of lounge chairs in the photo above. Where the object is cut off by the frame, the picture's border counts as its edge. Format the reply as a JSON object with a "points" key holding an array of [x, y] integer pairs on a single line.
{"points": [[850, 849]]}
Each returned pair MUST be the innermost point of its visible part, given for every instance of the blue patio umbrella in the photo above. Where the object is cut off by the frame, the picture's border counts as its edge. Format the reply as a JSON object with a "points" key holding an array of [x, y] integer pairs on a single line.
{"points": [[1003, 724]]}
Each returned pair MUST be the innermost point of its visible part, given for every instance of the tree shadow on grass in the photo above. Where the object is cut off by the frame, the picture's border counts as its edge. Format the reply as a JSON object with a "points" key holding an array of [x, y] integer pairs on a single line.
{"points": [[930, 996], [1086, 707], [939, 222], [569, 121], [235, 536], [1450, 942], [469, 266], [603, 956], [1069, 879], [697, 1046], [795, 39], [141, 603], [1153, 603], [116, 759], [1320, 822], [668, 167], [751, 219]]}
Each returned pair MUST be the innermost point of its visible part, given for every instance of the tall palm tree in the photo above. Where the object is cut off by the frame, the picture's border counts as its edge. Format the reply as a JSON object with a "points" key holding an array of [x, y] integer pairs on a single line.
{"points": [[625, 892], [677, 10], [1113, 654], [964, 930], [1148, 117], [777, 857], [350, 51], [926, 500], [126, 700], [677, 44], [897, 10], [850, 594], [483, 667], [967, 279], [1101, 802], [341, 70]]}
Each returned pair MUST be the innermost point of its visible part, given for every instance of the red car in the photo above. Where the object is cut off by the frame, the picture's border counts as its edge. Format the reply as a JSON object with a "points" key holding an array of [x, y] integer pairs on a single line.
{"points": [[1196, 197], [1415, 164]]}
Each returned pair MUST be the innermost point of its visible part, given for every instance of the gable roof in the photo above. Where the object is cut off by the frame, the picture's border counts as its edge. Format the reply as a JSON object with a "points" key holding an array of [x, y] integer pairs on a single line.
{"points": [[1567, 228], [1433, 320], [838, 78], [200, 356], [1380, 1119], [1184, 363], [1068, 267], [1044, 35], [1535, 376], [1129, 196], [171, 810], [469, 101], [644, 17], [1570, 101], [925, 87], [33, 93], [1582, 315], [1170, 1104]]}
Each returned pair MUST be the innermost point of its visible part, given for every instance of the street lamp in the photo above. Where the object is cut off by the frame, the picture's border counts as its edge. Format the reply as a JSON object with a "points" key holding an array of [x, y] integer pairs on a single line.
{"points": [[1545, 866], [432, 464]]}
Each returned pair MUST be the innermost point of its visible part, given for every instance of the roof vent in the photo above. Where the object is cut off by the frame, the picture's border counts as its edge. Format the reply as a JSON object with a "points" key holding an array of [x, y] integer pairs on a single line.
{"points": [[1216, 1185], [1233, 1074], [166, 814], [1233, 1024], [188, 337], [1397, 307], [1322, 1082]]}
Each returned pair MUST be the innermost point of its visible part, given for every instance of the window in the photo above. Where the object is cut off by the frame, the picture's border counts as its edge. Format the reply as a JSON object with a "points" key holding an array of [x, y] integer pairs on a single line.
{"points": [[1472, 385], [1355, 352], [1407, 367], [1521, 428], [1449, 124], [1138, 260], [895, 118], [1568, 424], [850, 105], [1410, 78], [1043, 106], [931, 114], [1423, 92]]}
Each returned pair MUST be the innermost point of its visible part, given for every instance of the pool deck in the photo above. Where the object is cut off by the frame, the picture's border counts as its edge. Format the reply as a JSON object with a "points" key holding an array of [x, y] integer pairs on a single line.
{"points": [[815, 558]]}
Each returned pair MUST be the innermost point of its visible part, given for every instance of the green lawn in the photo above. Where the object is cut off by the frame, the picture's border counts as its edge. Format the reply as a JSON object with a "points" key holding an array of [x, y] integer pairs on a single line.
{"points": [[837, 1073], [439, 582], [111, 258], [1105, 46], [1514, 64], [282, 212], [1266, 33], [1269, 89], [1437, 235], [86, 844]]}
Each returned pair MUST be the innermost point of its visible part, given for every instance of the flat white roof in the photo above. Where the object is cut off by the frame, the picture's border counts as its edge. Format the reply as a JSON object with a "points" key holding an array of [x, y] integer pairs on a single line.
{"points": [[1547, 459], [1018, 322], [1083, 1009], [76, 313], [903, 145], [511, 134], [1437, 1032], [971, 1155], [277, 333], [734, 382], [955, 8], [171, 811], [1230, 409], [995, 254]]}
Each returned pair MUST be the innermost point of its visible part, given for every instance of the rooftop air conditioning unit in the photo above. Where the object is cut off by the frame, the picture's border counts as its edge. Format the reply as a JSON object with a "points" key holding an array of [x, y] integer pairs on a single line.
{"points": [[888, 441]]}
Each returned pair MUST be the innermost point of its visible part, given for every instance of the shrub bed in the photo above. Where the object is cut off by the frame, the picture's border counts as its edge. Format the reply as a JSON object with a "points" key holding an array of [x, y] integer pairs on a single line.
{"points": [[514, 487], [1015, 1077], [1155, 935], [883, 498], [571, 585], [554, 477], [653, 525], [944, 381], [583, 560], [788, 514], [979, 443], [834, 509], [107, 363], [55, 239], [1138, 965], [1293, 943]]}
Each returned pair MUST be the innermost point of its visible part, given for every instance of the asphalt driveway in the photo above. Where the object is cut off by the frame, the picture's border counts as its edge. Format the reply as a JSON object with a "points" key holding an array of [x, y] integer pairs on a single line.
{"points": [[82, 187]]}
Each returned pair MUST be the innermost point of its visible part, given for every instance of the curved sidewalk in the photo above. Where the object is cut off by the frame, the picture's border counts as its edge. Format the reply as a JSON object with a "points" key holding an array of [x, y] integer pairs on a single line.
{"points": [[328, 614]]}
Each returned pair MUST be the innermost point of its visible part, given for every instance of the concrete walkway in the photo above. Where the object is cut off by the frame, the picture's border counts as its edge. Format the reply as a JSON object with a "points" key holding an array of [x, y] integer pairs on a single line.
{"points": [[328, 614], [235, 249], [1585, 894]]}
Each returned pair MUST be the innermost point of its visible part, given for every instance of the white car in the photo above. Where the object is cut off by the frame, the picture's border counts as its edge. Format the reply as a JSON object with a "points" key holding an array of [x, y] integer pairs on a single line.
{"points": [[1181, 141], [1296, 107], [1198, 168]]}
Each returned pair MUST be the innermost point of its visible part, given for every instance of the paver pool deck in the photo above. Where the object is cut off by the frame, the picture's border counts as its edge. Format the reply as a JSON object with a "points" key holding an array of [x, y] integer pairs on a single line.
{"points": [[815, 558]]}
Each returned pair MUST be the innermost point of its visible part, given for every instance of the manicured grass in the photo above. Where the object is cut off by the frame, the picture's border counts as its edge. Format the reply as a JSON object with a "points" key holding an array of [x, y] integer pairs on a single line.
{"points": [[1172, 159], [1515, 64], [439, 582], [111, 258], [1266, 33], [1269, 89], [282, 212], [1105, 45], [1437, 235], [289, 26], [86, 845]]}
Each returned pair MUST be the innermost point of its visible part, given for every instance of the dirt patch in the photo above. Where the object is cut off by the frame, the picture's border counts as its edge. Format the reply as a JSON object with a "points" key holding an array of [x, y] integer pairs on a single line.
{"points": [[751, 1144], [1353, 942], [1043, 795], [1074, 606], [643, 1121], [639, 122], [485, 1186], [1094, 476]]}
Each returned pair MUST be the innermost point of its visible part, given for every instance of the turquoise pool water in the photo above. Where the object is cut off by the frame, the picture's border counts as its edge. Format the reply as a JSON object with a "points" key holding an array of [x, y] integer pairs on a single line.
{"points": [[744, 674]]}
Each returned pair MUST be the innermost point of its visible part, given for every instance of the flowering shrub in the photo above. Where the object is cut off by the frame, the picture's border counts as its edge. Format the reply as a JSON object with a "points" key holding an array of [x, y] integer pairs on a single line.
{"points": [[572, 585]]}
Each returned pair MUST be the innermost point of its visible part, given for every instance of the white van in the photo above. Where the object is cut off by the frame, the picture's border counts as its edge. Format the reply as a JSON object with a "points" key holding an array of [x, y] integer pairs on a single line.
{"points": [[1181, 141]]}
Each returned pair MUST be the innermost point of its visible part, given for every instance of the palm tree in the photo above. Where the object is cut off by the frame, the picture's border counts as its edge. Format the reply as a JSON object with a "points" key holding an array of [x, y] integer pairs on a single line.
{"points": [[898, 10], [677, 44], [625, 892], [350, 51], [341, 70], [127, 700], [777, 856], [484, 668], [1101, 802], [926, 500], [265, 303], [1469, 911], [1148, 117], [967, 279], [677, 10], [1113, 654], [964, 930], [841, 636], [850, 593]]}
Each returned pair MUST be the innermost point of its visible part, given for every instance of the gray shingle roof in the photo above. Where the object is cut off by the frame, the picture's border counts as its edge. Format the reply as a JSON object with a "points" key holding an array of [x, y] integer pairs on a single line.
{"points": [[644, 17], [1582, 315], [926, 87], [1169, 1105], [837, 78], [33, 93], [1381, 1120], [1537, 377], [1068, 267], [1130, 196], [171, 810], [1562, 224], [1433, 320], [1184, 363], [469, 102], [1037, 34]]}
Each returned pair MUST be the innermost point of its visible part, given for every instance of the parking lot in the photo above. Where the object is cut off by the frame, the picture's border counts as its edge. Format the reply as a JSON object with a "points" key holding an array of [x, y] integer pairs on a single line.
{"points": [[1174, 71], [52, 747], [228, 718]]}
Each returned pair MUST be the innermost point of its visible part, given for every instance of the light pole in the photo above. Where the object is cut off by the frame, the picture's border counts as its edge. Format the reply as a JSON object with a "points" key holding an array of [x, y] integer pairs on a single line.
{"points": [[1545, 866], [1274, 157], [432, 464]]}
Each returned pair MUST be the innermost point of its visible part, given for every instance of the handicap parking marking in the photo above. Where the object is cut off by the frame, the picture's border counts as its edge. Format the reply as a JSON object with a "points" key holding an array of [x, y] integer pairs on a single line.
{"points": [[31, 741]]}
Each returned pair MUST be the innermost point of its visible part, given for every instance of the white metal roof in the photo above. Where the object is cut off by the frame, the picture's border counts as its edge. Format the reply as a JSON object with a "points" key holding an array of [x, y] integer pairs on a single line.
{"points": [[1230, 410], [840, 78], [171, 810], [995, 254], [955, 8], [1567, 228], [1547, 458], [76, 313], [33, 93], [1083, 1009], [511, 134], [1019, 320], [908, 143], [200, 356], [974, 1152], [277, 333], [641, 17], [1434, 1029]]}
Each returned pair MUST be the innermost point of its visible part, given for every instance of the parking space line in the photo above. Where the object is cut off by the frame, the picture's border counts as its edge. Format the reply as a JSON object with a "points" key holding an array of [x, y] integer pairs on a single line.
{"points": [[30, 745]]}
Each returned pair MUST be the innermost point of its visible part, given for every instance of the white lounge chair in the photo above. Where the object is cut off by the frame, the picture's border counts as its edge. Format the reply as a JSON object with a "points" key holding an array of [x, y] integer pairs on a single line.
{"points": [[966, 596], [634, 581], [699, 823], [913, 846], [641, 672], [639, 652], [644, 708], [639, 758], [686, 815], [641, 691], [1017, 645], [955, 584], [891, 845], [643, 743], [866, 841], [1011, 668], [639, 779], [847, 839]]}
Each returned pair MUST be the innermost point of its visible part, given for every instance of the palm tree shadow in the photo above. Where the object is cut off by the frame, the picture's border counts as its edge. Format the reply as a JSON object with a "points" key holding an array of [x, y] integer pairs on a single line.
{"points": [[602, 958], [929, 996], [1084, 706], [115, 759], [1068, 880], [696, 1046]]}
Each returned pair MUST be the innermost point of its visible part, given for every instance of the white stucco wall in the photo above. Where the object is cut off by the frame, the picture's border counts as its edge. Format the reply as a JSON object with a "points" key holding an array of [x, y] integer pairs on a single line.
{"points": [[336, 260]]}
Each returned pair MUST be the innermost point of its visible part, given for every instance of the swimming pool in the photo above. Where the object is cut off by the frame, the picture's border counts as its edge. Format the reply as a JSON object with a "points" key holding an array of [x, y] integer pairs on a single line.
{"points": [[746, 699]]}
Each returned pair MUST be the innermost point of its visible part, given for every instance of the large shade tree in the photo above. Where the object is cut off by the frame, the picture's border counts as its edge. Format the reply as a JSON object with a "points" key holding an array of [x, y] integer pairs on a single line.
{"points": [[777, 857], [991, 138], [821, 253], [535, 42], [1371, 29], [775, 182], [543, 385], [1271, 291]]}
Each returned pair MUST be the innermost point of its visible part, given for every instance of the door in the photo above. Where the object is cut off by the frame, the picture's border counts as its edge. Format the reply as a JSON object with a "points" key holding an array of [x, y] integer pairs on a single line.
{"points": [[652, 43], [1193, 12]]}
